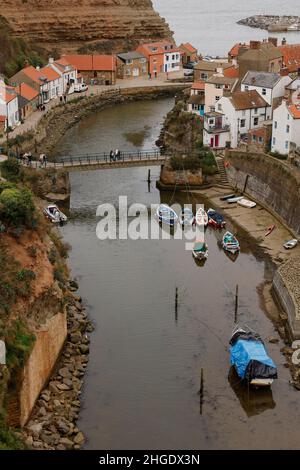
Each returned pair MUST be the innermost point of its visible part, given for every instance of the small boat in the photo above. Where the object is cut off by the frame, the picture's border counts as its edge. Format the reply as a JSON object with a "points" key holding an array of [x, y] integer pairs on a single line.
{"points": [[187, 217], [228, 196], [201, 217], [200, 251], [246, 203], [230, 243], [232, 200], [215, 219], [288, 245], [250, 359], [166, 215], [270, 230], [53, 213]]}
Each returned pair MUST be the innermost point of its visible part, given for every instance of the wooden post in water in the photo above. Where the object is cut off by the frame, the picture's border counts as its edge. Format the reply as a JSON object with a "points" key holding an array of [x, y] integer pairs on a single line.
{"points": [[201, 390], [176, 305], [236, 304]]}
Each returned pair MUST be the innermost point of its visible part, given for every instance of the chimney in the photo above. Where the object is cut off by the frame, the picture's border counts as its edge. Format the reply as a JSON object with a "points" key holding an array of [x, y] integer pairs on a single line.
{"points": [[51, 60], [283, 42], [253, 80], [255, 44], [274, 41], [284, 72], [26, 63]]}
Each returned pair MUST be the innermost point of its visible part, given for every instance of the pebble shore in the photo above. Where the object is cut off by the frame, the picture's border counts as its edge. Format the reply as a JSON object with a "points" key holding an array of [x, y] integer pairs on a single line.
{"points": [[52, 425]]}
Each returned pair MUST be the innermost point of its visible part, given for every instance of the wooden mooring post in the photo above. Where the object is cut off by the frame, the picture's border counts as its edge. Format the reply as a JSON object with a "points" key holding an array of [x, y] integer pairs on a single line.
{"points": [[176, 304], [149, 176], [236, 304]]}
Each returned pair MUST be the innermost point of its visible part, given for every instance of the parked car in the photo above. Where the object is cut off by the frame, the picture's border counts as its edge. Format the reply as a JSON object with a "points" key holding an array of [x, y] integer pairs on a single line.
{"points": [[208, 58], [80, 87], [189, 73], [190, 65]]}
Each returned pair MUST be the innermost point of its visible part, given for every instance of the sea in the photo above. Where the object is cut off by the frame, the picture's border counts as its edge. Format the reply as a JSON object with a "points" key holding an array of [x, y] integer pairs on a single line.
{"points": [[212, 27]]}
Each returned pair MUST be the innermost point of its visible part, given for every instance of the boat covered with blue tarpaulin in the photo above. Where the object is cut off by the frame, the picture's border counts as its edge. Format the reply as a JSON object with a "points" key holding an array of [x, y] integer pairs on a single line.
{"points": [[249, 357]]}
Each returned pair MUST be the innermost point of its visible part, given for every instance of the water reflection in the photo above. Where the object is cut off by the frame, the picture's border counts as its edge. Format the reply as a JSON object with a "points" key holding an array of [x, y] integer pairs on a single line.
{"points": [[253, 401]]}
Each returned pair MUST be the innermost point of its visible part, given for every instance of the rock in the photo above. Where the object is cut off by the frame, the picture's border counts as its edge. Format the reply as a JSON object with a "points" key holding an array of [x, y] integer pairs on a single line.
{"points": [[28, 441], [273, 340], [63, 387], [90, 328], [67, 443], [56, 403], [64, 372], [37, 445], [63, 427], [76, 337], [69, 383], [60, 447], [79, 438], [42, 411], [84, 349], [53, 387], [73, 284], [35, 429]]}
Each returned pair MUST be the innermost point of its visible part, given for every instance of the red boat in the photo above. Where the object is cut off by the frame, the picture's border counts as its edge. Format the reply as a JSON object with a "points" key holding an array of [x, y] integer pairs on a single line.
{"points": [[270, 230], [215, 219]]}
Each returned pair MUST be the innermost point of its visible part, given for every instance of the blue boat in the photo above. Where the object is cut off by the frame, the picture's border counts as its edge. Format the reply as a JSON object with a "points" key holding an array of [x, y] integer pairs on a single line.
{"points": [[215, 219], [166, 215], [250, 359], [230, 243]]}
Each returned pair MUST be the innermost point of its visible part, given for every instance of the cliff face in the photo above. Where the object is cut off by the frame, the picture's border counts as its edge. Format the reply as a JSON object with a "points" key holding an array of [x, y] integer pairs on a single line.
{"points": [[70, 26]]}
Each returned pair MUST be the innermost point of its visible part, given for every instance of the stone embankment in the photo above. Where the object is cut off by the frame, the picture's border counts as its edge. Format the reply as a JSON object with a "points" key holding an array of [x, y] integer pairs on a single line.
{"points": [[52, 425], [59, 119], [273, 23]]}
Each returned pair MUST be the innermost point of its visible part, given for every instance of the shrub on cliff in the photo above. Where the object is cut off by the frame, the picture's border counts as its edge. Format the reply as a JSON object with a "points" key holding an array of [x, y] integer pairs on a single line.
{"points": [[17, 206], [185, 163], [11, 169]]}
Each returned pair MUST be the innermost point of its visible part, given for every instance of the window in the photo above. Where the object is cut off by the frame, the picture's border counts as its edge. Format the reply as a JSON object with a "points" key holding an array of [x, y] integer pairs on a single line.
{"points": [[217, 98], [255, 121], [195, 107], [154, 61], [219, 107], [254, 138], [211, 122], [287, 129], [218, 86], [264, 92], [128, 72], [288, 117], [173, 57], [260, 140], [255, 111], [129, 61], [274, 140], [275, 124], [204, 76], [246, 88], [167, 58], [286, 144]]}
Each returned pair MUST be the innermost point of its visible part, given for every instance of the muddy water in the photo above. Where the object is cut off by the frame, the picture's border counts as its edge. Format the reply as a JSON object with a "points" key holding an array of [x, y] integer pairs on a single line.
{"points": [[141, 390]]}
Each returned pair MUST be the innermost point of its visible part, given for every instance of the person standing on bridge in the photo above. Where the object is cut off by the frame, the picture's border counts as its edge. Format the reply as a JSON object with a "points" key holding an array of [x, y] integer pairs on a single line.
{"points": [[118, 154], [111, 155]]}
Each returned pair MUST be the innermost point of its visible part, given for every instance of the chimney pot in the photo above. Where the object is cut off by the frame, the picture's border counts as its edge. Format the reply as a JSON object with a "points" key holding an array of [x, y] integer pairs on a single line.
{"points": [[255, 44]]}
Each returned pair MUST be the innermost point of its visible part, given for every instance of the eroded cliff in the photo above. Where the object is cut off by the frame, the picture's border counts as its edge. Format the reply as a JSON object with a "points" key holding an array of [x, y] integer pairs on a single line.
{"points": [[68, 26]]}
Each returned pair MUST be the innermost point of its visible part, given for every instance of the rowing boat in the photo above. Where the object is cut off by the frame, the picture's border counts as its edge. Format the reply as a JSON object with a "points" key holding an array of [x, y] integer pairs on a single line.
{"points": [[201, 217], [246, 203], [166, 215], [230, 243]]}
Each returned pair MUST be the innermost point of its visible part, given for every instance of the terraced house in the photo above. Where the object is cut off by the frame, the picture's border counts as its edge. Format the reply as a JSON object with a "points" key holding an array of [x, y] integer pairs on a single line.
{"points": [[9, 109], [131, 65], [163, 57]]}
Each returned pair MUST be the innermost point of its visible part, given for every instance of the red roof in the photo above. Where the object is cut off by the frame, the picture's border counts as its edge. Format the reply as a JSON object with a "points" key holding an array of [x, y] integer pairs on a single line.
{"points": [[234, 51], [105, 63], [26, 91], [188, 47], [9, 94], [231, 72], [291, 56], [198, 85], [295, 111], [154, 48], [37, 74]]}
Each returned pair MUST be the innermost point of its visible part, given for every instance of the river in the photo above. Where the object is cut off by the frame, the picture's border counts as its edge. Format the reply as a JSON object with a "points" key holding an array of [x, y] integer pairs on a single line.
{"points": [[141, 388], [211, 26]]}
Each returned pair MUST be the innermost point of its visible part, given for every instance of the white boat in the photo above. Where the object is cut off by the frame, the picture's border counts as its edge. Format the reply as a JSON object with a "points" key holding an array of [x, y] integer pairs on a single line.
{"points": [[288, 245], [53, 213], [201, 217], [230, 243], [232, 200], [187, 217], [246, 203], [166, 215], [200, 251]]}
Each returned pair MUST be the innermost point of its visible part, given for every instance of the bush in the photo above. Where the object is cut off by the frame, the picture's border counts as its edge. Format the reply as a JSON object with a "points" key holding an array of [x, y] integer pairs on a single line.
{"points": [[8, 440], [18, 207], [11, 169], [19, 343], [185, 163]]}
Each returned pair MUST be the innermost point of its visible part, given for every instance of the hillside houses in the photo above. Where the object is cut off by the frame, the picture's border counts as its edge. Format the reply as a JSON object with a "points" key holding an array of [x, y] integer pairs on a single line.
{"points": [[286, 128]]}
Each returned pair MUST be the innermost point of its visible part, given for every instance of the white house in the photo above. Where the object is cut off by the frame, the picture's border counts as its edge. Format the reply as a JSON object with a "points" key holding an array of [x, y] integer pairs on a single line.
{"points": [[216, 133], [9, 109], [244, 111], [286, 128], [270, 86], [67, 72], [172, 61], [293, 91], [216, 87]]}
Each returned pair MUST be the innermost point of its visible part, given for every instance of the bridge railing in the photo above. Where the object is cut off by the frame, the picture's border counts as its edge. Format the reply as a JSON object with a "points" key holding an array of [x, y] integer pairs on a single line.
{"points": [[106, 158]]}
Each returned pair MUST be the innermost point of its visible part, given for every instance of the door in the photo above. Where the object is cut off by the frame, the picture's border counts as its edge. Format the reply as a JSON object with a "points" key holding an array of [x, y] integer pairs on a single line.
{"points": [[166, 67], [211, 141], [217, 140], [135, 72]]}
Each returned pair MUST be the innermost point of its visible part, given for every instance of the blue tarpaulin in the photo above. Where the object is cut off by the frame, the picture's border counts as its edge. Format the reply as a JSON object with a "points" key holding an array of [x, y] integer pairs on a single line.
{"points": [[244, 354]]}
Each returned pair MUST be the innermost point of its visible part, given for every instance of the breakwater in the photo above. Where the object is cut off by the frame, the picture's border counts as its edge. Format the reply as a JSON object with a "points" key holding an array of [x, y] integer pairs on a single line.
{"points": [[271, 23]]}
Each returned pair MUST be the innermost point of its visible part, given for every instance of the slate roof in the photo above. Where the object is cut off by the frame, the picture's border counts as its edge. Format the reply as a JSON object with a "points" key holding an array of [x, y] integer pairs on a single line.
{"points": [[131, 55], [218, 80], [261, 79]]}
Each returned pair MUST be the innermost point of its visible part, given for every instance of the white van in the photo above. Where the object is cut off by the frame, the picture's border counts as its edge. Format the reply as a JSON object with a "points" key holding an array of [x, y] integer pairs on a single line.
{"points": [[80, 87]]}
